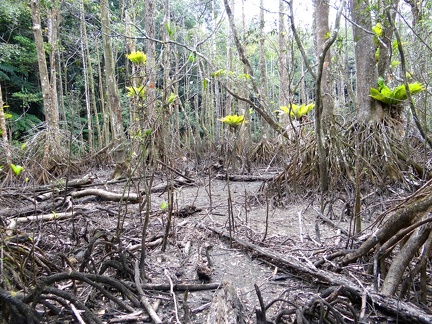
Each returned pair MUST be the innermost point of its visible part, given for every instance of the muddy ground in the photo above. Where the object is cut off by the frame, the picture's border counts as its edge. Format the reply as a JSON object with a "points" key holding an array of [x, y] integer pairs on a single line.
{"points": [[291, 231]]}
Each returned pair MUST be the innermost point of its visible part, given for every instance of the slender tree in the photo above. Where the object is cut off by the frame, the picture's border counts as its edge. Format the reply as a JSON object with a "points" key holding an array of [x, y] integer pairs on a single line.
{"points": [[365, 63], [322, 34], [5, 142], [89, 76], [112, 93], [263, 67], [47, 78]]}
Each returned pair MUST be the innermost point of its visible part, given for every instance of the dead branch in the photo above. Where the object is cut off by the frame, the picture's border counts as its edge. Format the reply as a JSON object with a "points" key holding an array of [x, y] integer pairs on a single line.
{"points": [[47, 217], [181, 287], [403, 310], [143, 299], [244, 178], [112, 196]]}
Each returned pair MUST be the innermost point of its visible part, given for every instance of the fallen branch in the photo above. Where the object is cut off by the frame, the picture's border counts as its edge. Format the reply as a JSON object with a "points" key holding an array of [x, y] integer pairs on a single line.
{"points": [[244, 178], [143, 299], [46, 217], [107, 195], [181, 287], [405, 311]]}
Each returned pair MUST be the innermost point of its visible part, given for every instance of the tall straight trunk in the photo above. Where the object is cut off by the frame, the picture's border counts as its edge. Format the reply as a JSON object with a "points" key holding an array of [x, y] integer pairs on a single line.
{"points": [[216, 90], [5, 142], [135, 73], [113, 98], [48, 84], [91, 85], [151, 62], [167, 86], [282, 68], [228, 106], [53, 40], [106, 134], [321, 14], [263, 68], [368, 109], [84, 44]]}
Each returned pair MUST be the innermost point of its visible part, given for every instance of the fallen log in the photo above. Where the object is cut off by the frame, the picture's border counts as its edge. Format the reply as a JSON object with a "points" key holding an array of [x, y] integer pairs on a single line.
{"points": [[244, 178], [405, 311], [47, 217], [181, 287], [112, 196]]}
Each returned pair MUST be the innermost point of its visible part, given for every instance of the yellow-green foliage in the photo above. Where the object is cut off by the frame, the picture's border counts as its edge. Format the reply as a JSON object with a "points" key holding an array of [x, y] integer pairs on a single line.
{"points": [[394, 96], [17, 169], [138, 92], [295, 111], [137, 57], [233, 120]]}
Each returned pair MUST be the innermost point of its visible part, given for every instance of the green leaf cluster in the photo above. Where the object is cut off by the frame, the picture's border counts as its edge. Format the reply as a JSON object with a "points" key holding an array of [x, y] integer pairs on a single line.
{"points": [[136, 92], [171, 98], [137, 57], [233, 120], [17, 169], [378, 29], [295, 111], [394, 96]]}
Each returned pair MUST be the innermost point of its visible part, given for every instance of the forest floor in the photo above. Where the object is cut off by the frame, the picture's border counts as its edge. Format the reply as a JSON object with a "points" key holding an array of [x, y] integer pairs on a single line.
{"points": [[88, 239]]}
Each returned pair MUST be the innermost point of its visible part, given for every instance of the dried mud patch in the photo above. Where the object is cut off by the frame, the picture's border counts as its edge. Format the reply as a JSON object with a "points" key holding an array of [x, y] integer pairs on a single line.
{"points": [[105, 238]]}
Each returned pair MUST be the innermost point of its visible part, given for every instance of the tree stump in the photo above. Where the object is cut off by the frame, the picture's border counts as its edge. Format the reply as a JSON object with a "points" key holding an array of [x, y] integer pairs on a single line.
{"points": [[226, 307]]}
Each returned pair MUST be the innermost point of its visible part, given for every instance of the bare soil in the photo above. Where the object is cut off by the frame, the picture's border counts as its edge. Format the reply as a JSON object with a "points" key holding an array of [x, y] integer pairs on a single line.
{"points": [[290, 229]]}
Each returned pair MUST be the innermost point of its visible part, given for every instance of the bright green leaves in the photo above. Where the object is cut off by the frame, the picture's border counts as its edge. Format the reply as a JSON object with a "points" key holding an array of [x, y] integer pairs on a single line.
{"points": [[136, 92], [192, 58], [378, 30], [395, 63], [164, 206], [244, 76], [222, 73], [394, 97], [17, 169], [170, 30], [233, 120], [219, 73], [205, 83], [295, 111], [171, 98], [137, 58]]}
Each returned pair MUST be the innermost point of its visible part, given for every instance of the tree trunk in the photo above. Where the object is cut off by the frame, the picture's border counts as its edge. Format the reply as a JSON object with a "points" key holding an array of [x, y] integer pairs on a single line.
{"points": [[3, 129], [87, 76], [92, 92], [322, 33], [215, 89], [112, 93], [263, 67], [284, 98], [151, 61], [368, 109], [48, 86]]}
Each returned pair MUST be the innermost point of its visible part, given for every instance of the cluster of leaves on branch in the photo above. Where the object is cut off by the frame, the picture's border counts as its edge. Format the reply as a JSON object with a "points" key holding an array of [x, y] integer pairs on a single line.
{"points": [[233, 121], [138, 58], [295, 111], [396, 96]]}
